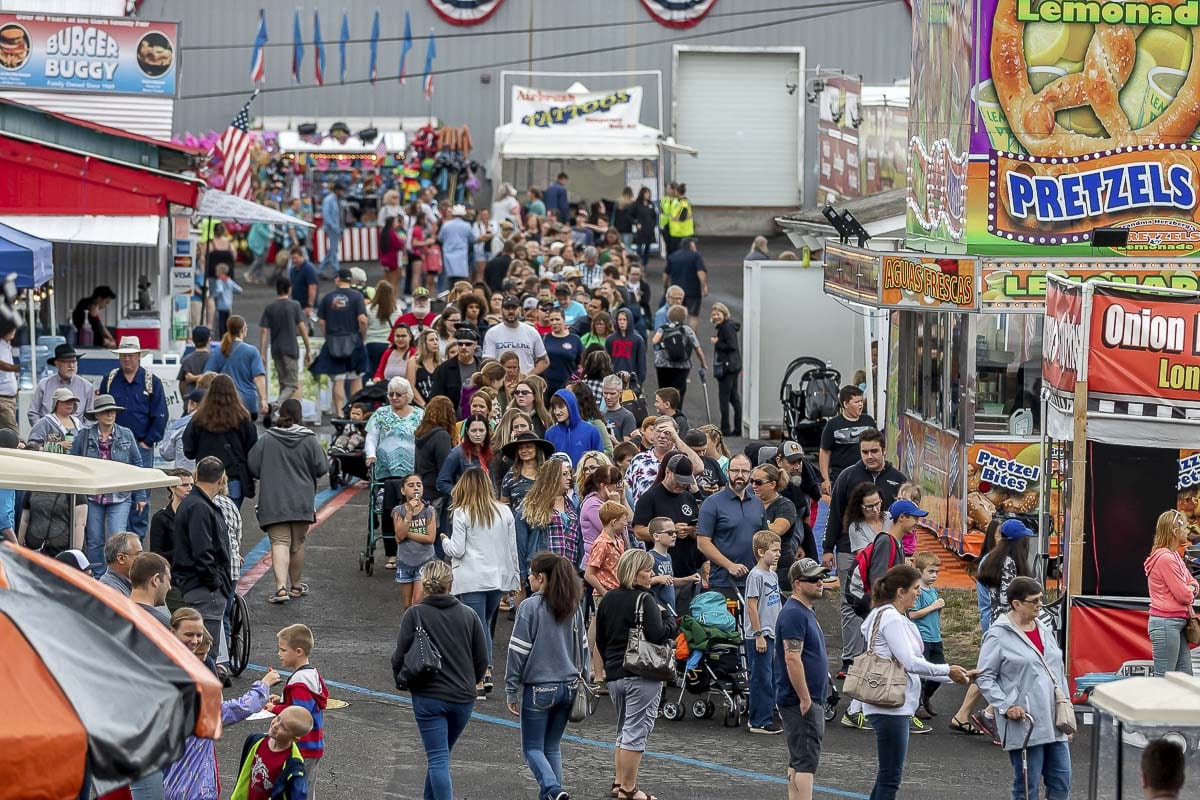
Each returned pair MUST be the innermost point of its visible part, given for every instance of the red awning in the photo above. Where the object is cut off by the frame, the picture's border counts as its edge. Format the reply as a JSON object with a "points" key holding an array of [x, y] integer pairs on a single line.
{"points": [[48, 179]]}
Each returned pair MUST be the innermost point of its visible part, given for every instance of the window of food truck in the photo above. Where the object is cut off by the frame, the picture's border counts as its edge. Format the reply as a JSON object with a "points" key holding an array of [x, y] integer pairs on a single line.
{"points": [[1008, 382], [928, 382]]}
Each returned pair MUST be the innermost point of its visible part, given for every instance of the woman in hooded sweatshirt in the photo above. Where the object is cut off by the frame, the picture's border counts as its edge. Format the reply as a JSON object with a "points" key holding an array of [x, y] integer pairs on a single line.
{"points": [[570, 434], [1172, 593], [292, 456], [626, 347], [727, 366]]}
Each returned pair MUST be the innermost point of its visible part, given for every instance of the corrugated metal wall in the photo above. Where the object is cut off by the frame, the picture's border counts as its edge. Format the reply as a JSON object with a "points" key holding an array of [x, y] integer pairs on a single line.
{"points": [[76, 267], [874, 42]]}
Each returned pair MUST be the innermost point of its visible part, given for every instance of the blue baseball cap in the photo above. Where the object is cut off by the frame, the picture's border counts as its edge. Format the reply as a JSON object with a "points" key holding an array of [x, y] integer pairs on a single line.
{"points": [[907, 508], [1015, 529]]}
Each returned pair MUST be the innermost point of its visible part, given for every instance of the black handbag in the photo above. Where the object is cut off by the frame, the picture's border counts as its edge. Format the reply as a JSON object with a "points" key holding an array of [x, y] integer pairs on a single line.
{"points": [[422, 662], [342, 345], [719, 369]]}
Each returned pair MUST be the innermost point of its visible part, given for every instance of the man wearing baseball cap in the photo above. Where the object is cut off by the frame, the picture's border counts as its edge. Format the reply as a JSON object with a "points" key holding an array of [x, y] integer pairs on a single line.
{"points": [[803, 684], [802, 489], [520, 337], [420, 316], [453, 374]]}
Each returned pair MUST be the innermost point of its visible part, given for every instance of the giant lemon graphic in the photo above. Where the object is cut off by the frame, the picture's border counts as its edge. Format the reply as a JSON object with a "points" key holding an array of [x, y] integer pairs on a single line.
{"points": [[1045, 43]]}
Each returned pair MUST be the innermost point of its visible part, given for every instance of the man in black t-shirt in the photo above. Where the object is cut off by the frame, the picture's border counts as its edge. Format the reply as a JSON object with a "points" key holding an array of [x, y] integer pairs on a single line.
{"points": [[281, 322], [839, 440], [672, 496]]}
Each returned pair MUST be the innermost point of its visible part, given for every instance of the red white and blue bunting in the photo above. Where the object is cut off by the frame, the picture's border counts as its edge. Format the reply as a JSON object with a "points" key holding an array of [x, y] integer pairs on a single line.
{"points": [[677, 13], [465, 12]]}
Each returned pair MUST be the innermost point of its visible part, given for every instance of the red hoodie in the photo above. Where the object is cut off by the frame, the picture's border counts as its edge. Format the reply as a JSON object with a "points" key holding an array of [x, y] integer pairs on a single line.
{"points": [[1172, 588], [306, 689]]}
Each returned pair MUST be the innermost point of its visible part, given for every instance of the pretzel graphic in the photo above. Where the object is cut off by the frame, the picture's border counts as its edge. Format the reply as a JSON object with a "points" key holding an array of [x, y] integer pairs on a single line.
{"points": [[1106, 67]]}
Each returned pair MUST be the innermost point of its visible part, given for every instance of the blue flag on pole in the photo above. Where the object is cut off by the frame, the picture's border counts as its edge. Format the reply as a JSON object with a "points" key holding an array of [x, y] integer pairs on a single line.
{"points": [[406, 46], [374, 44], [297, 46], [345, 37], [430, 55], [318, 50], [258, 60]]}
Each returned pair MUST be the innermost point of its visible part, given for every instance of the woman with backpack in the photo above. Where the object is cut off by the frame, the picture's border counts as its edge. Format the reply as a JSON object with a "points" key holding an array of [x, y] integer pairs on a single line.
{"points": [[443, 701], [674, 344]]}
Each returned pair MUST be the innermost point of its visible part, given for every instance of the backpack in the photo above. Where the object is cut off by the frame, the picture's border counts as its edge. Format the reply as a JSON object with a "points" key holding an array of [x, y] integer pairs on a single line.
{"points": [[49, 522], [858, 591], [678, 347], [708, 608], [106, 384], [820, 397]]}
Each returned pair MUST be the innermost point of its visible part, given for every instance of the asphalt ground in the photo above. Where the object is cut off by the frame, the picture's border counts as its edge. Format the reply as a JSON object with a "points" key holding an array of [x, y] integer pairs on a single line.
{"points": [[372, 745]]}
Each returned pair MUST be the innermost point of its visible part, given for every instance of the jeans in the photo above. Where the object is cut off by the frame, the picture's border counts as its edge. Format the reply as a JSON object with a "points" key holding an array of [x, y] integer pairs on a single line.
{"points": [[1049, 763], [148, 788], [102, 522], [523, 551], [544, 711], [643, 251], [485, 605], [729, 395], [1169, 643], [440, 724], [891, 747], [235, 493], [329, 264], [762, 683], [139, 522], [255, 273]]}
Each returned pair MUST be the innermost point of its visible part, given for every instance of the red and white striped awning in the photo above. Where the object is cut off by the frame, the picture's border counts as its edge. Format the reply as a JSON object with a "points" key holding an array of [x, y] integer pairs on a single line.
{"points": [[357, 244]]}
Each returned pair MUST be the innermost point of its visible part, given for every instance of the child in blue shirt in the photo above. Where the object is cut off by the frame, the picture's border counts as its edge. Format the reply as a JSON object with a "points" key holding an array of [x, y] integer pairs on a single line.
{"points": [[926, 614], [763, 604], [224, 288], [664, 582]]}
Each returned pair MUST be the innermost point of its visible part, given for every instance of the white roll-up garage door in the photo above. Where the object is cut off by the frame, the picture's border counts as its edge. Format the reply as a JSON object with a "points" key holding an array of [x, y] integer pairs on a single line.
{"points": [[733, 106]]}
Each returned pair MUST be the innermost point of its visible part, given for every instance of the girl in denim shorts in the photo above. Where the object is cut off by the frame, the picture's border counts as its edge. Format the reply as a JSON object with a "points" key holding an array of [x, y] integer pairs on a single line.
{"points": [[416, 531]]}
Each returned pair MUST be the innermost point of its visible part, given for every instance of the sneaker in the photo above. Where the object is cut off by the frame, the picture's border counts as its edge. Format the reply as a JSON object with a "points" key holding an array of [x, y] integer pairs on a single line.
{"points": [[915, 727], [858, 721], [562, 796], [769, 729]]}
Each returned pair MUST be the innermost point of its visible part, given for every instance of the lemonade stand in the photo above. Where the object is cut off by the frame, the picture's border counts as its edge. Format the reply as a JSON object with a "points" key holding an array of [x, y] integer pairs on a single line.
{"points": [[1045, 138]]}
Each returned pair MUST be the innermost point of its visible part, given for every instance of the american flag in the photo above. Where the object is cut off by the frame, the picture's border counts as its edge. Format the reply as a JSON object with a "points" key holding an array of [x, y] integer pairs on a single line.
{"points": [[234, 146]]}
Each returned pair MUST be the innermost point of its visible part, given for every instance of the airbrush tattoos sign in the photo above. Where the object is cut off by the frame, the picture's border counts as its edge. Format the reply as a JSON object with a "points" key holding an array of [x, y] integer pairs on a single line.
{"points": [[1085, 116], [538, 108], [87, 54]]}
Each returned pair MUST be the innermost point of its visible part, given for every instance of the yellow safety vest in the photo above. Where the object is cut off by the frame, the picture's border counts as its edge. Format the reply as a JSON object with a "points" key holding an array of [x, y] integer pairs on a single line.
{"points": [[665, 208], [681, 228]]}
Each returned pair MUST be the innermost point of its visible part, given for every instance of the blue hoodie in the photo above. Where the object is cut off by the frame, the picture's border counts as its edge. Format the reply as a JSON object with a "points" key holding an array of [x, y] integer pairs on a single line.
{"points": [[576, 437]]}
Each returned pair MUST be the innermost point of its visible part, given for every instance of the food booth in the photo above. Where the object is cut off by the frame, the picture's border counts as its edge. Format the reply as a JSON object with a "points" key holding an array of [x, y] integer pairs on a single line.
{"points": [[1015, 176]]}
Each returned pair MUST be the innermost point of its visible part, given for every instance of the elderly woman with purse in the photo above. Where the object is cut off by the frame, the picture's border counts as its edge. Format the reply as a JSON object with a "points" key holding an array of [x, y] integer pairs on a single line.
{"points": [[1021, 675], [547, 668], [628, 614]]}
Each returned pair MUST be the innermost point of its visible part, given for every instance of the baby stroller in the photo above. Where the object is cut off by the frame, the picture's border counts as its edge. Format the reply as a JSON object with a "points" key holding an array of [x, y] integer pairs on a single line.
{"points": [[349, 461], [809, 396], [713, 666]]}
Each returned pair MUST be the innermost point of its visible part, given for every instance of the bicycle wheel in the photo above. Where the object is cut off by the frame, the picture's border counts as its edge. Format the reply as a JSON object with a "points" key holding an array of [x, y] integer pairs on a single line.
{"points": [[239, 638]]}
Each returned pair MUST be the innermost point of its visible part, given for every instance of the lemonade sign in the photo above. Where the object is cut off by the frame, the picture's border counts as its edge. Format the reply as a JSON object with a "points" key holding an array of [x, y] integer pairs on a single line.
{"points": [[1085, 117]]}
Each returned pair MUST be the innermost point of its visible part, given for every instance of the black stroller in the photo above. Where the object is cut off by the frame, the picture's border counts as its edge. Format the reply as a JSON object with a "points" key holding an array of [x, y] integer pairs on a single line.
{"points": [[352, 463], [809, 396]]}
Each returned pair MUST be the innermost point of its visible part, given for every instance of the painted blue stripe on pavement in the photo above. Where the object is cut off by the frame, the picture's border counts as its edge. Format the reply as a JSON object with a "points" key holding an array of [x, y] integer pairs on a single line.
{"points": [[260, 550], [511, 723]]}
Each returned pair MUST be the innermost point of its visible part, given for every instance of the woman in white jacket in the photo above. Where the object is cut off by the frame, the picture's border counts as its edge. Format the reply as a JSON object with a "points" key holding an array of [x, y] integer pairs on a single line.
{"points": [[483, 551], [890, 634]]}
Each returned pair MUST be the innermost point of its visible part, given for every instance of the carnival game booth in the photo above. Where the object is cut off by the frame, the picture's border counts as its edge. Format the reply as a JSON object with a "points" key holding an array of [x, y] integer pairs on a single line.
{"points": [[319, 152], [1122, 372], [595, 137]]}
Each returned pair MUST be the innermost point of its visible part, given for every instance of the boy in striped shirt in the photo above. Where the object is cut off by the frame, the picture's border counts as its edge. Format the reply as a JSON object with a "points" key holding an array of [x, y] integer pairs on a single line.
{"points": [[306, 689]]}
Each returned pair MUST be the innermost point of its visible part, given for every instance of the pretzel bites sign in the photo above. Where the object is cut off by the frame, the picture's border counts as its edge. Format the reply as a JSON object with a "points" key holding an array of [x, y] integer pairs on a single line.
{"points": [[1085, 116], [1145, 348]]}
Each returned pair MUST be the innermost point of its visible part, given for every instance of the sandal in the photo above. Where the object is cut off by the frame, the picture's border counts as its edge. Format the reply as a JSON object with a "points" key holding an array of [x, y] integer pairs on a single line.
{"points": [[390, 564], [632, 794], [281, 596], [969, 728], [616, 787], [299, 590]]}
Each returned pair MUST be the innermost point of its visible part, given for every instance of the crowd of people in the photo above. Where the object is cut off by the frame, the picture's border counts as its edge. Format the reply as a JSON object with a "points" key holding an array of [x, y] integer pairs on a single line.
{"points": [[526, 468]]}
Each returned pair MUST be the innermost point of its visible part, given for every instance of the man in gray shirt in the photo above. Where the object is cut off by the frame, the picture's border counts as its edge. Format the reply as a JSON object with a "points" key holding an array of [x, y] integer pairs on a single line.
{"points": [[119, 552], [281, 321], [620, 420]]}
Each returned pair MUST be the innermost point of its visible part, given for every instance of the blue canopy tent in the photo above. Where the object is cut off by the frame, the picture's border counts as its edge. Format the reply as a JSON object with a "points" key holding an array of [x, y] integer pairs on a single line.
{"points": [[31, 261]]}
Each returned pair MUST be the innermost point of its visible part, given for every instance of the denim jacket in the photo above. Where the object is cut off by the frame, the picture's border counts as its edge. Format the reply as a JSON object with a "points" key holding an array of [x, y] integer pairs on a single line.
{"points": [[124, 450]]}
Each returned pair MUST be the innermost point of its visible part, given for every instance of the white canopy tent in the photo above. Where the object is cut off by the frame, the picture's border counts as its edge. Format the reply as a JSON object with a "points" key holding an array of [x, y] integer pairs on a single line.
{"points": [[34, 471], [221, 205]]}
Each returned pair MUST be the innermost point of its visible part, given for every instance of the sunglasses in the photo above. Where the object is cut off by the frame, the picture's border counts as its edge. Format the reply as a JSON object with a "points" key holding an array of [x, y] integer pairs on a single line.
{"points": [[810, 580], [671, 532], [522, 391], [760, 482], [466, 343]]}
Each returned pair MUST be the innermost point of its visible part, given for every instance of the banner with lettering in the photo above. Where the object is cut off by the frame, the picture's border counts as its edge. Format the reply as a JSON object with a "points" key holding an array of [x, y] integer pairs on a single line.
{"points": [[1063, 142], [121, 55], [1144, 351], [556, 111], [909, 281], [1062, 337]]}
